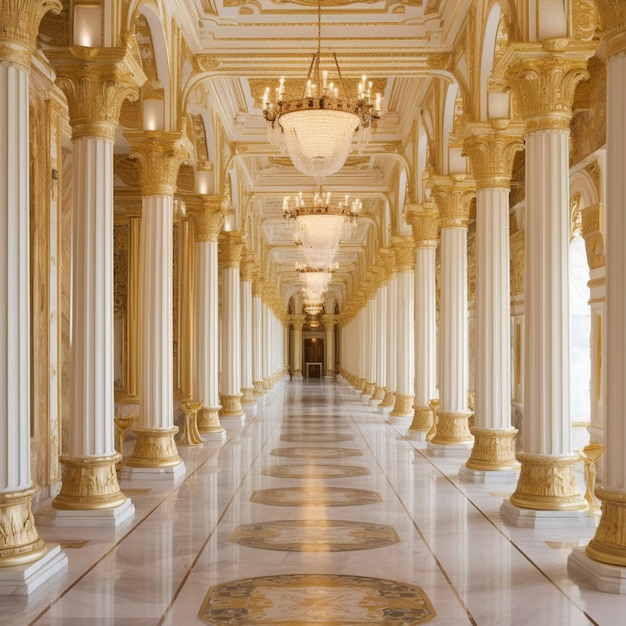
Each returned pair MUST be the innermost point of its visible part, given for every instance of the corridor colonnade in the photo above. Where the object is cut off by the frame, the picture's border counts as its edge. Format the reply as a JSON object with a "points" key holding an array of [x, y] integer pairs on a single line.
{"points": [[193, 325]]}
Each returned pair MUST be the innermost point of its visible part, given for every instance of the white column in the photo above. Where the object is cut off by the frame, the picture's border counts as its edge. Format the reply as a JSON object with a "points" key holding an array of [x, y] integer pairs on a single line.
{"points": [[425, 233], [206, 354], [368, 347], [392, 290], [381, 346], [20, 543], [296, 359], [155, 454], [231, 327], [329, 356], [247, 388], [402, 412], [257, 340], [603, 561], [546, 85]]}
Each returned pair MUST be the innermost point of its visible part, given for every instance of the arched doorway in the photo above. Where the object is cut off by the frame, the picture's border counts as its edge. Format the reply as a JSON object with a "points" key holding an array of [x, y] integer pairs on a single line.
{"points": [[313, 357]]}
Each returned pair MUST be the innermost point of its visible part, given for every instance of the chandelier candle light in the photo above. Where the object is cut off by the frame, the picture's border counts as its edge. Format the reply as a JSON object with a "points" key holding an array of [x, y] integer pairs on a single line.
{"points": [[317, 129], [319, 226]]}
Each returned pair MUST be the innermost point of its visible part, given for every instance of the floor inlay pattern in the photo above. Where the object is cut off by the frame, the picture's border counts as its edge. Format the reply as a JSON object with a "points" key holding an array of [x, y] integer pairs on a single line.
{"points": [[309, 599], [315, 535], [315, 437], [316, 453], [314, 496], [320, 471]]}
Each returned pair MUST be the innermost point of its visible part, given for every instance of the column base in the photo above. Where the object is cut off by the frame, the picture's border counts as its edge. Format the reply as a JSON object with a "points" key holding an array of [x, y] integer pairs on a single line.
{"points": [[548, 483], [21, 543], [155, 448], [608, 545], [168, 473], [209, 425], [89, 483], [231, 406], [377, 396], [22, 580], [234, 422], [368, 391], [532, 518], [459, 450], [98, 518], [421, 424], [330, 374], [602, 576], [259, 390], [493, 450], [488, 477], [453, 428], [247, 396], [403, 406], [359, 384], [401, 422], [389, 400]]}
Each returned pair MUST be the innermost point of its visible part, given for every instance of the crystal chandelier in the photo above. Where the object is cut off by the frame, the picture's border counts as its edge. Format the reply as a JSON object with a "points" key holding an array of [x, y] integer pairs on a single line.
{"points": [[319, 226], [315, 281], [316, 129]]}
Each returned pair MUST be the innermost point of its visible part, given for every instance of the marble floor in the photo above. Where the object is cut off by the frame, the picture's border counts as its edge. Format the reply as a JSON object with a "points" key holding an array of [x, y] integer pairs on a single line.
{"points": [[316, 511]]}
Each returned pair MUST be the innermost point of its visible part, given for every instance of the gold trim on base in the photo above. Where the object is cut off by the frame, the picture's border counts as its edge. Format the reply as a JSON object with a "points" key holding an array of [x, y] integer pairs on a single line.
{"points": [[231, 405], [609, 542], [389, 399], [368, 389], [422, 419], [403, 406], [359, 384], [247, 396], [548, 483], [259, 389], [493, 450], [379, 393], [89, 483], [155, 447], [19, 542], [209, 420], [452, 428]]}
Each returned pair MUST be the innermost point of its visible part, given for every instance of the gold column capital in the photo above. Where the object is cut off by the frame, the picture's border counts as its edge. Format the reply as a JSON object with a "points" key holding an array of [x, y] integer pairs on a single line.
{"points": [[544, 76], [96, 81], [453, 195], [231, 246], [424, 222], [298, 321], [248, 266], [614, 22], [491, 148], [403, 249], [209, 218], [160, 155], [257, 285], [20, 27], [330, 321]]}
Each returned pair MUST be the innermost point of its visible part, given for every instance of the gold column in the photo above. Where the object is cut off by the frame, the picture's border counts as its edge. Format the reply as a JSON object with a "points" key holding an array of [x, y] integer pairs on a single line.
{"points": [[491, 148], [208, 222], [453, 195], [425, 226], [96, 81], [159, 155]]}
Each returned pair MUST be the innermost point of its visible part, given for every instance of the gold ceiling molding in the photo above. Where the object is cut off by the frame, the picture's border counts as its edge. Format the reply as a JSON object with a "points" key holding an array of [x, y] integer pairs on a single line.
{"points": [[614, 20], [146, 48], [205, 62]]}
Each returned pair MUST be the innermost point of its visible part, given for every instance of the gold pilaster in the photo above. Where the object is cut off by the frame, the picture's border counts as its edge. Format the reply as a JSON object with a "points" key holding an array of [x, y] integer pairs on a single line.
{"points": [[89, 483], [155, 447], [209, 420], [403, 405], [19, 540], [493, 450], [453, 428], [422, 419], [548, 484], [231, 405]]}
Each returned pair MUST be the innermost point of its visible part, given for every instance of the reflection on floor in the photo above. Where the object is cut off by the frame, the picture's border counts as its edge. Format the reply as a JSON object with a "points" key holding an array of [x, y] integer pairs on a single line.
{"points": [[353, 525]]}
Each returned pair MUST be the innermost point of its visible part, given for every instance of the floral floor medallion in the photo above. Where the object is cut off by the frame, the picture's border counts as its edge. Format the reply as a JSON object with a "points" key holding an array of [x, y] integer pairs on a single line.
{"points": [[315, 437], [315, 599], [315, 496], [315, 535], [315, 471], [304, 452]]}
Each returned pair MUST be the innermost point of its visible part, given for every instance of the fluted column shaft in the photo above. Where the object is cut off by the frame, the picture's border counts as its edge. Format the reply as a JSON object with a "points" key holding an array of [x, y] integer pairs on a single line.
{"points": [[392, 335], [296, 364], [545, 82], [453, 196], [247, 388], [95, 94], [329, 352], [231, 325], [257, 340], [425, 227], [381, 346], [208, 223]]}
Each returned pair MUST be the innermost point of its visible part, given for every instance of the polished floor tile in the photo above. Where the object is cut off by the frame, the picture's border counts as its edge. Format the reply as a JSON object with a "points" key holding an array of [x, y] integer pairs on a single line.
{"points": [[317, 511]]}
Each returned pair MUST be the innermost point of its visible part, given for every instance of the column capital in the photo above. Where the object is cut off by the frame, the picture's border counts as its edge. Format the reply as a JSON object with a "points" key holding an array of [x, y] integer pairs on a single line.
{"points": [[544, 76], [159, 155], [209, 218], [330, 321], [388, 262], [96, 81], [257, 286], [453, 195], [403, 249], [491, 148], [231, 246], [20, 27], [614, 22], [248, 266], [298, 321], [424, 222]]}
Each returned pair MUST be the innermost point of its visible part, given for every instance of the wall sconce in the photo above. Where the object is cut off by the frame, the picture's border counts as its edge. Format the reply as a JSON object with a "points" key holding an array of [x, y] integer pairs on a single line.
{"points": [[153, 114], [498, 105], [87, 25], [203, 181], [457, 163]]}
